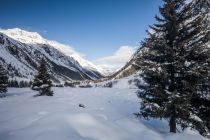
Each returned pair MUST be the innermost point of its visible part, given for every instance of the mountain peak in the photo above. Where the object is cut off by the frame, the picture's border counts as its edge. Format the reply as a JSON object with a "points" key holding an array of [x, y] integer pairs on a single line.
{"points": [[23, 36]]}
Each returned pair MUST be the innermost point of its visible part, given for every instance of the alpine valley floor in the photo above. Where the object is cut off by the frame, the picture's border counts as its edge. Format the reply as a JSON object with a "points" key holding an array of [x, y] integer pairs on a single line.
{"points": [[108, 115]]}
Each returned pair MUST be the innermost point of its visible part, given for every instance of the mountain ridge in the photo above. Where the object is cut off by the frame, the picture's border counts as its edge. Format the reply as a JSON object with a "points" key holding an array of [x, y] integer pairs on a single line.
{"points": [[20, 51]]}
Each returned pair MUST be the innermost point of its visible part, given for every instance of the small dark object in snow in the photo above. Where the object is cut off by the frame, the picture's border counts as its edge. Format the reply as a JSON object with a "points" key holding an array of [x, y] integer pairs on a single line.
{"points": [[81, 105]]}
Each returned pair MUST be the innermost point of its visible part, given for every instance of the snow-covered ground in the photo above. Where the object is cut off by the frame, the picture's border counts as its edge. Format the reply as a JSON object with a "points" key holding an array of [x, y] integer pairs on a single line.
{"points": [[108, 115]]}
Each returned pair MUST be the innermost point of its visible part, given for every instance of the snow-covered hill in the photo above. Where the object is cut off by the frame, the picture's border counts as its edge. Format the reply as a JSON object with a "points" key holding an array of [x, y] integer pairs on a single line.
{"points": [[129, 82], [129, 68], [21, 50], [108, 115]]}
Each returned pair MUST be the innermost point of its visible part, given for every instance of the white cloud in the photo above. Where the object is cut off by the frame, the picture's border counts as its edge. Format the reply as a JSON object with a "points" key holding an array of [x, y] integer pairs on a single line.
{"points": [[117, 60]]}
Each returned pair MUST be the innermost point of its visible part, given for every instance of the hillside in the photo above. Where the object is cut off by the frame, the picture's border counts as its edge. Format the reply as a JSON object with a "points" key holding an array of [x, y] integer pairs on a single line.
{"points": [[20, 52]]}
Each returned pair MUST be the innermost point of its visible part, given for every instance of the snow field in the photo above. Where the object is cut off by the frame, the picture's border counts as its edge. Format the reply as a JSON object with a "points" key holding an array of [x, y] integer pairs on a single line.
{"points": [[108, 115]]}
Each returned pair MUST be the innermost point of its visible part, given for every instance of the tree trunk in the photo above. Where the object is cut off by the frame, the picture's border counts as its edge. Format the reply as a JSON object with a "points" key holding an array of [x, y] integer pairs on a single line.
{"points": [[172, 122]]}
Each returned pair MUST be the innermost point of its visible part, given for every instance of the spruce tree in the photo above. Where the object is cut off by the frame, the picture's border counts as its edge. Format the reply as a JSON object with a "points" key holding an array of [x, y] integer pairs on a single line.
{"points": [[3, 81], [42, 81], [201, 100], [174, 63]]}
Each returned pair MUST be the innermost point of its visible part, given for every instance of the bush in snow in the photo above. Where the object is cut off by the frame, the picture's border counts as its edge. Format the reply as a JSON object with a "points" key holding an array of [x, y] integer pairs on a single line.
{"points": [[68, 84], [3, 80], [42, 81], [58, 85], [130, 82], [109, 84], [85, 86], [174, 64]]}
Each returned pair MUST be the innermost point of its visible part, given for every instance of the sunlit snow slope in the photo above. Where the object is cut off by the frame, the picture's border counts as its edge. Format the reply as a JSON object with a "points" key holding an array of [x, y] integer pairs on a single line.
{"points": [[20, 51]]}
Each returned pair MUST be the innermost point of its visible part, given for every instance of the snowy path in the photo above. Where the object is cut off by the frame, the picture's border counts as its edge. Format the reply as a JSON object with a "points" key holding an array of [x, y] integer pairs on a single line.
{"points": [[108, 116]]}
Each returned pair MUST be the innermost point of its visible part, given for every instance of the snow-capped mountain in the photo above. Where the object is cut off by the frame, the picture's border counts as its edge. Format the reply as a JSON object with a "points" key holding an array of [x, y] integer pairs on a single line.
{"points": [[129, 68], [21, 50]]}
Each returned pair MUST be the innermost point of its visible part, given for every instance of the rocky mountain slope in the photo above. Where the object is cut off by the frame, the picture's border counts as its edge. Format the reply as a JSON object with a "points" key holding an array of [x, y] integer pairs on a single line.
{"points": [[129, 68], [20, 52]]}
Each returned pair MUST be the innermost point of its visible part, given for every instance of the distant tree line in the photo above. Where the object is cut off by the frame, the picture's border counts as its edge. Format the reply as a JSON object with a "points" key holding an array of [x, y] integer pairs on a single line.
{"points": [[3, 81], [19, 84]]}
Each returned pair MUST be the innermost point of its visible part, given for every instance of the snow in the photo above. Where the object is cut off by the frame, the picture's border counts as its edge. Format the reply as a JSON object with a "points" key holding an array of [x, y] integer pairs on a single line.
{"points": [[24, 36], [129, 82], [187, 64], [34, 38], [196, 118], [10, 59], [108, 114], [124, 83]]}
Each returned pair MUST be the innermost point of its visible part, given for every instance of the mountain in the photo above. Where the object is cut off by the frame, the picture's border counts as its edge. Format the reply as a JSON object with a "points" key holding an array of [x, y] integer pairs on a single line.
{"points": [[106, 70], [20, 52], [129, 68]]}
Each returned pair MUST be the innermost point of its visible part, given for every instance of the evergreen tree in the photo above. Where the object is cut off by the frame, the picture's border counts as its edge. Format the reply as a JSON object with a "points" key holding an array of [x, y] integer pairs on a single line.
{"points": [[3, 80], [174, 63], [11, 83], [16, 84], [21, 84], [42, 81], [201, 100]]}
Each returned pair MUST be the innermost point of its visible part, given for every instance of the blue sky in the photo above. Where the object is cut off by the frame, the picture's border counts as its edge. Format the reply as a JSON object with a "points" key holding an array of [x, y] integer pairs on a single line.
{"points": [[96, 28]]}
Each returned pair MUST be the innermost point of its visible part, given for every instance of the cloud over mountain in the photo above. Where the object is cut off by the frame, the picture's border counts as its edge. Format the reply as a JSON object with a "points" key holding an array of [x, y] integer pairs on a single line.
{"points": [[117, 60]]}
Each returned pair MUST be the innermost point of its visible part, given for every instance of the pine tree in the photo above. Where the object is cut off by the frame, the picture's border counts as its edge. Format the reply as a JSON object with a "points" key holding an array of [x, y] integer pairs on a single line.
{"points": [[42, 81], [11, 83], [3, 81], [174, 63], [16, 84], [201, 100]]}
